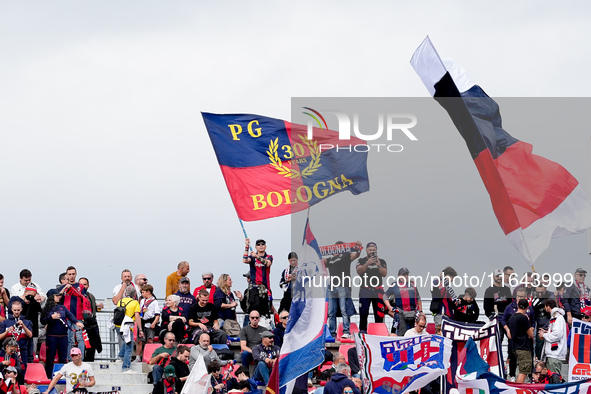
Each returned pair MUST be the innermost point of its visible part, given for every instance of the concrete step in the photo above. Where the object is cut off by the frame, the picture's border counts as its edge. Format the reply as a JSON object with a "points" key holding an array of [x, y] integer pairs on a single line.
{"points": [[113, 367], [119, 379], [130, 389]]}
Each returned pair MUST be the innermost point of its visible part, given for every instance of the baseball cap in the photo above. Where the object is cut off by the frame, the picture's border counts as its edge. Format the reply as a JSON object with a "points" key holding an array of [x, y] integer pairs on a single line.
{"points": [[267, 334], [75, 350], [261, 240], [169, 371], [371, 244], [246, 274], [184, 279], [31, 287], [586, 311], [403, 271], [207, 273], [10, 369], [498, 272], [523, 303], [580, 271]]}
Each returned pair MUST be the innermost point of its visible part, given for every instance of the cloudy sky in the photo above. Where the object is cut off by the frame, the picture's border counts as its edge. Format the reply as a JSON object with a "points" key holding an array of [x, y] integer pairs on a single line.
{"points": [[105, 163]]}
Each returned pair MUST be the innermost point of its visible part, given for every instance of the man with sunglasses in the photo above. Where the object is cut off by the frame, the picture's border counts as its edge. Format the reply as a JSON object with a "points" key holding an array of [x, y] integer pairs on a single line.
{"points": [[250, 337], [208, 285], [576, 296], [419, 328], [259, 289], [279, 330]]}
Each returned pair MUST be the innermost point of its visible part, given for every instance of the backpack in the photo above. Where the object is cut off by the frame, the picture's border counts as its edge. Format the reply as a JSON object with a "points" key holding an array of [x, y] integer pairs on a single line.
{"points": [[119, 313], [231, 327]]}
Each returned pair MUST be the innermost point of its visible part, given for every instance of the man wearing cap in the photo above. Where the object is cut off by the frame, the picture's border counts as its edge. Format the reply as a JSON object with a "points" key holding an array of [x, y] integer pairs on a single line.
{"points": [[521, 334], [19, 328], [208, 285], [265, 355], [403, 299], [371, 269], [187, 299], [496, 298], [79, 374], [31, 311], [168, 383], [260, 267], [9, 382], [339, 297], [173, 280], [577, 296]]}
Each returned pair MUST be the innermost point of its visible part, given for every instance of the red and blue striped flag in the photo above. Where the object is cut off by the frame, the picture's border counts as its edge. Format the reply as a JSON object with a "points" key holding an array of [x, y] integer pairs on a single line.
{"points": [[534, 199]]}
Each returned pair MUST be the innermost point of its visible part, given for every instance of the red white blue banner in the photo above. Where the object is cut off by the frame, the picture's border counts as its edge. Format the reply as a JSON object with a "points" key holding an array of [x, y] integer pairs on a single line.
{"points": [[401, 364], [534, 199], [580, 351]]}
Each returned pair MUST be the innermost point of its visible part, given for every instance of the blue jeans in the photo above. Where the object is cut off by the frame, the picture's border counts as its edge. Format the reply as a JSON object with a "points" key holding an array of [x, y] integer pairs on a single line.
{"points": [[125, 352], [246, 358], [157, 372], [74, 336], [338, 298], [262, 372]]}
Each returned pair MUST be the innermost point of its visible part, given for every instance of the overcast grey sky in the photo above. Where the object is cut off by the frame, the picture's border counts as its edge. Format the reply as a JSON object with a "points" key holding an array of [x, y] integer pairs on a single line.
{"points": [[105, 163]]}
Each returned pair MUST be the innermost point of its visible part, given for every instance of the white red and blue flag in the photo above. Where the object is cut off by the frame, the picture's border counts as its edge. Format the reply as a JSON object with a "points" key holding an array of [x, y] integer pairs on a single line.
{"points": [[401, 364], [303, 344], [533, 198]]}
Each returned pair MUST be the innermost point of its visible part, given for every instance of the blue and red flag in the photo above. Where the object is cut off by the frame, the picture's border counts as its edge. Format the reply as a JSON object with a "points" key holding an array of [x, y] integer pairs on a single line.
{"points": [[580, 353], [271, 168], [534, 199], [304, 340]]}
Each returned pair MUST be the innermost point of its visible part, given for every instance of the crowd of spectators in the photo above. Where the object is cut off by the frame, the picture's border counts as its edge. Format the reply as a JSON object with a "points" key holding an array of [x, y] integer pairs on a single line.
{"points": [[533, 318]]}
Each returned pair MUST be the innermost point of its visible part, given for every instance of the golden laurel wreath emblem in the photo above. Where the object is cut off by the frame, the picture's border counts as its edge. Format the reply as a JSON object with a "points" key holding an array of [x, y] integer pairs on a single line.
{"points": [[292, 172]]}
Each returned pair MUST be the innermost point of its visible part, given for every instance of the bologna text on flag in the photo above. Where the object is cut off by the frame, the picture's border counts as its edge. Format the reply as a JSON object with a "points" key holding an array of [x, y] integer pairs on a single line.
{"points": [[488, 343], [401, 364], [271, 168], [304, 340], [534, 199], [580, 351]]}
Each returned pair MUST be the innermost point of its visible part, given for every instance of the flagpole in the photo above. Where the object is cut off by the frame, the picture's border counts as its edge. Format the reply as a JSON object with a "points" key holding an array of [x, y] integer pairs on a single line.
{"points": [[244, 231]]}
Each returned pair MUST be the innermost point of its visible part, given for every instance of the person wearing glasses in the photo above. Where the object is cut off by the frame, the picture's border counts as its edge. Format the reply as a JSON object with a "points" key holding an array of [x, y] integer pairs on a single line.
{"points": [[419, 328], [173, 280], [208, 285], [259, 289], [161, 354], [79, 375], [250, 337], [279, 330], [576, 296]]}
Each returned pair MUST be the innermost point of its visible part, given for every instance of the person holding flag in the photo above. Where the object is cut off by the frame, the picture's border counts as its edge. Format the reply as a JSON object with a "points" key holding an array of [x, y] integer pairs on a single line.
{"points": [[260, 268]]}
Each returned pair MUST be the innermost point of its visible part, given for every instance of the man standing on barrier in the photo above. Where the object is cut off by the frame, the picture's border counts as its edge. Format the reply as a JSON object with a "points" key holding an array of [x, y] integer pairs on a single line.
{"points": [[260, 267], [339, 266], [371, 269]]}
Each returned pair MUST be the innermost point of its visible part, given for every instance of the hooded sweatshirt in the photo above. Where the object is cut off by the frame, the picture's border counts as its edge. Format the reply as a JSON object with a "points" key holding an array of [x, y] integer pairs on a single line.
{"points": [[555, 338], [337, 382]]}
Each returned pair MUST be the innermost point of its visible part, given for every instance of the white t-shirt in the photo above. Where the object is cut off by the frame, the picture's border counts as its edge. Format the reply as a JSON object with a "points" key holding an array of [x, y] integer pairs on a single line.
{"points": [[73, 374], [118, 287], [412, 333], [152, 310]]}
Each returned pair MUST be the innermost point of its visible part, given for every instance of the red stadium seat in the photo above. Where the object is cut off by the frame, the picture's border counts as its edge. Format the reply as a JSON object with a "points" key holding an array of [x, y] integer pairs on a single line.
{"points": [[377, 329], [36, 374], [149, 350], [430, 328], [343, 349], [353, 328]]}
